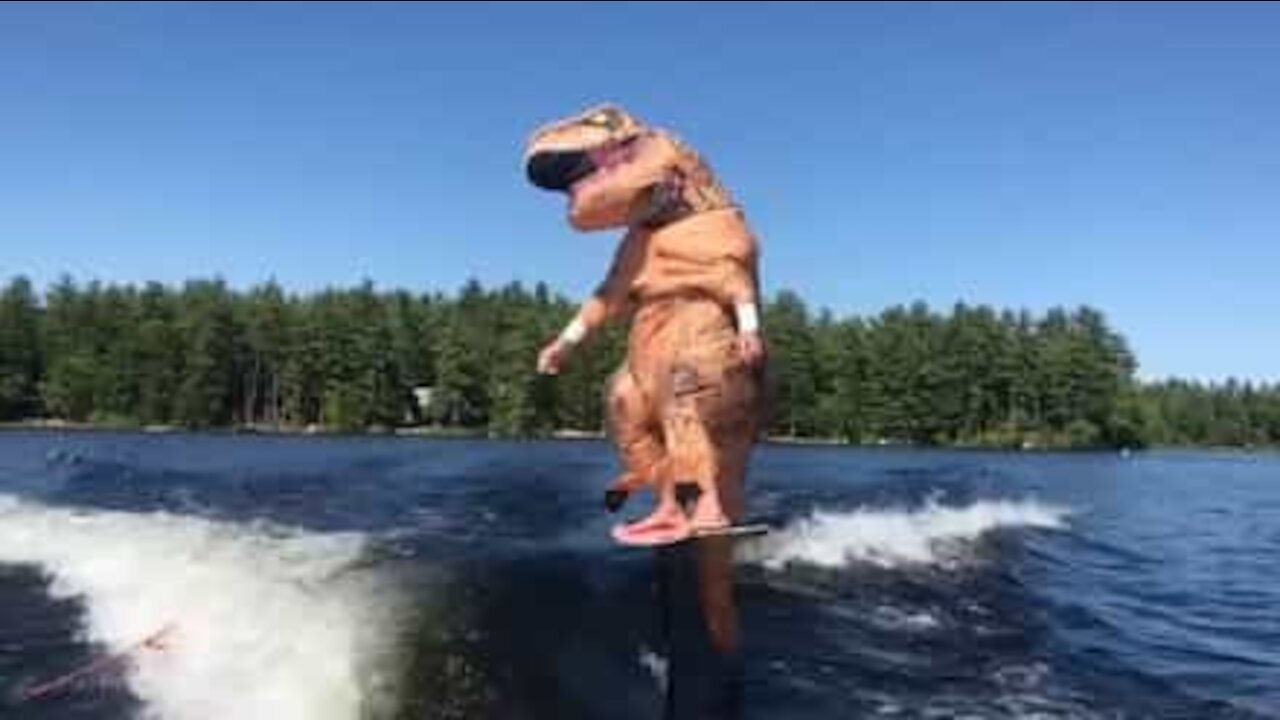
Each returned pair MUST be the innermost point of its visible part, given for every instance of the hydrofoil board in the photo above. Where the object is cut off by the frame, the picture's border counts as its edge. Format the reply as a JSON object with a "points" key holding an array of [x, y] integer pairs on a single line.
{"points": [[741, 530]]}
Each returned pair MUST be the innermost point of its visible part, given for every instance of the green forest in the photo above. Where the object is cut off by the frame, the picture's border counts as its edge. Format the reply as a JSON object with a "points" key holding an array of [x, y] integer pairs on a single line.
{"points": [[204, 355]]}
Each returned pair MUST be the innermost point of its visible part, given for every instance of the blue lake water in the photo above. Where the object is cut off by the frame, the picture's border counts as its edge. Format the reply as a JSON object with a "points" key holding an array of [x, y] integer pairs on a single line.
{"points": [[345, 578]]}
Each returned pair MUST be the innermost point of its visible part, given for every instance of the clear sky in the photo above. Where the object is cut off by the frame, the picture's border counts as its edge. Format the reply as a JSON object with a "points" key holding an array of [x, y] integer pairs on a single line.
{"points": [[1122, 156]]}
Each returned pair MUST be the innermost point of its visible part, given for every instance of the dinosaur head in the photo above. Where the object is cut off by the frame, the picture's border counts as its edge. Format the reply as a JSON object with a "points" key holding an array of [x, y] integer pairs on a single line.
{"points": [[604, 159], [568, 151]]}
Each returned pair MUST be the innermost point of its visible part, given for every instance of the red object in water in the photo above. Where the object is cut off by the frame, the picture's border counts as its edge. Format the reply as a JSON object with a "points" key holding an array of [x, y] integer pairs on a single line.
{"points": [[157, 641]]}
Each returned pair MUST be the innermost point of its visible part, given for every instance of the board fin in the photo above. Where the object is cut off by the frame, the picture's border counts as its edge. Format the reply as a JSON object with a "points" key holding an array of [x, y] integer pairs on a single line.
{"points": [[740, 530]]}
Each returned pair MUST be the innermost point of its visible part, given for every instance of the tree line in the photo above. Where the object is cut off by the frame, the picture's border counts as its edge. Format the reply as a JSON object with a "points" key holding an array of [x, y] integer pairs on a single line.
{"points": [[202, 355]]}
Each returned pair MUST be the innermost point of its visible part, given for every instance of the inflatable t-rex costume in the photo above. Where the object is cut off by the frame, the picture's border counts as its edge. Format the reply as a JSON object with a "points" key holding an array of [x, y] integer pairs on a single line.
{"points": [[683, 408]]}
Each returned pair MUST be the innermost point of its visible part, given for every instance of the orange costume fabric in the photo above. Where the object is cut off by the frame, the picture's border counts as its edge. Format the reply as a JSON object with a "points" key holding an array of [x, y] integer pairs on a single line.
{"points": [[684, 407]]}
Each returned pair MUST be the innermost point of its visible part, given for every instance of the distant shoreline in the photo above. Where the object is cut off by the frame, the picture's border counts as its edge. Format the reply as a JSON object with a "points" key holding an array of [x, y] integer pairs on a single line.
{"points": [[311, 430], [202, 355], [441, 432]]}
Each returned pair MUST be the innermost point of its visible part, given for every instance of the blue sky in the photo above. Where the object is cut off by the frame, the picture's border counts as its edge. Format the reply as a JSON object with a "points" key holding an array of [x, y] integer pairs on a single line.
{"points": [[1121, 156]]}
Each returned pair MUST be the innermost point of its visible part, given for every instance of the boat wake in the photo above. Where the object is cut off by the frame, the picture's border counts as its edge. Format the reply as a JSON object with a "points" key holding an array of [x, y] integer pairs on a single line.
{"points": [[258, 621], [931, 535]]}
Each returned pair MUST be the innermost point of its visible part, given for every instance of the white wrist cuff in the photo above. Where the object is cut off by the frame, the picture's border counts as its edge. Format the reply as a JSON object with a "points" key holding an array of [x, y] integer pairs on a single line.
{"points": [[748, 318], [574, 333]]}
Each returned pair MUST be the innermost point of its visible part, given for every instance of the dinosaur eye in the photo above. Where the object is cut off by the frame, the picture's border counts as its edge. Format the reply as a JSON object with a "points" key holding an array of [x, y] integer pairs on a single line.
{"points": [[602, 119]]}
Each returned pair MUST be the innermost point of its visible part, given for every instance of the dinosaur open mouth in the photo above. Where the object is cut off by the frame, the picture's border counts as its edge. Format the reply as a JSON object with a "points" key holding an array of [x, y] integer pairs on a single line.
{"points": [[559, 169], [568, 170]]}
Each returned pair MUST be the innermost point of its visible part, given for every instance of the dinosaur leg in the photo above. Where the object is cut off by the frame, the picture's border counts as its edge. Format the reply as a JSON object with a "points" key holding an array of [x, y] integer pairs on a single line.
{"points": [[638, 438], [710, 433], [643, 439], [690, 459]]}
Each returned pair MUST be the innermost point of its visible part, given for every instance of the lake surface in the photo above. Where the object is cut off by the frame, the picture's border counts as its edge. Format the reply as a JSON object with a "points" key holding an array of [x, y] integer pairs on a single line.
{"points": [[344, 578]]}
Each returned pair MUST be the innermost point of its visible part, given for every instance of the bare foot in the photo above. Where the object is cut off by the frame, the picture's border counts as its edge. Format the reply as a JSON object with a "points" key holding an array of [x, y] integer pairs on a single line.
{"points": [[666, 514], [670, 528], [708, 515]]}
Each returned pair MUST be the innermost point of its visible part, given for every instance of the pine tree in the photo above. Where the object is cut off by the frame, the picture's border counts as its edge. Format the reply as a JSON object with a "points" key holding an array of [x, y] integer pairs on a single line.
{"points": [[791, 350], [265, 350], [512, 372], [21, 361], [207, 332], [850, 382], [71, 376]]}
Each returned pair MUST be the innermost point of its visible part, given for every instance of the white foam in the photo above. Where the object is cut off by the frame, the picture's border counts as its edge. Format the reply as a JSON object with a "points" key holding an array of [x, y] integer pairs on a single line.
{"points": [[264, 622], [656, 665], [928, 535], [893, 618]]}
